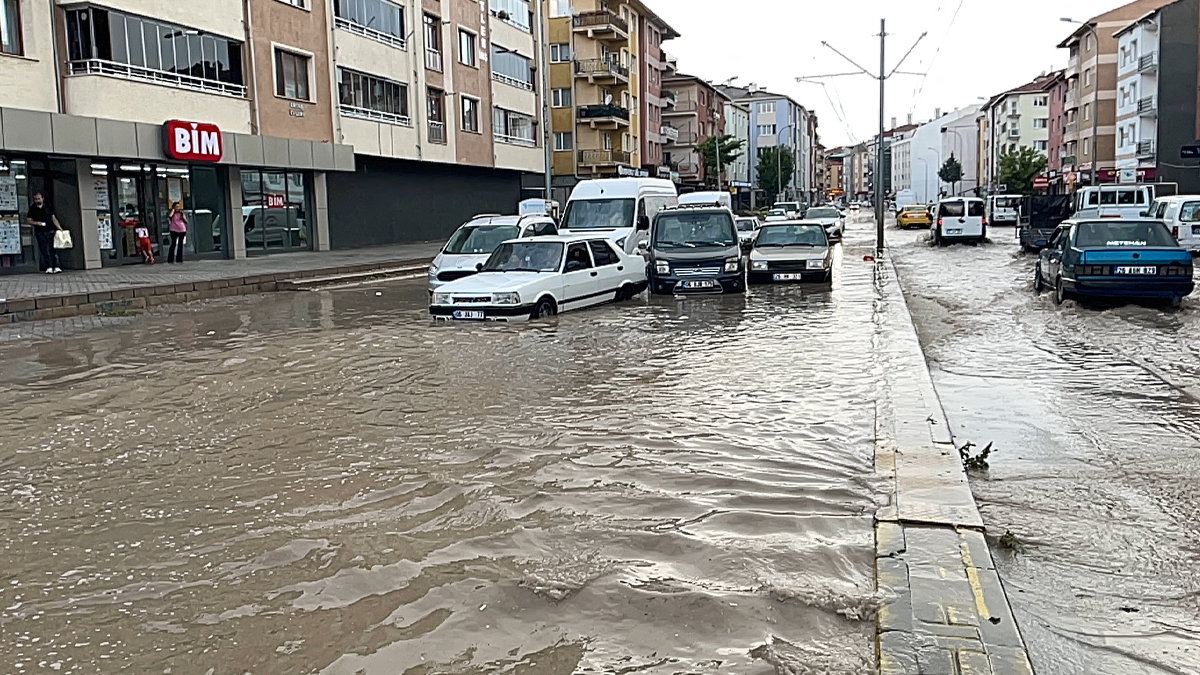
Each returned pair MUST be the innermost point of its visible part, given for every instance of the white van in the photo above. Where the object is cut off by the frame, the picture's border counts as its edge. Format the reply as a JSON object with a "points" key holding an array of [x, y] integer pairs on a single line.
{"points": [[1113, 201], [706, 198], [959, 219], [1002, 209], [1181, 213], [622, 208]]}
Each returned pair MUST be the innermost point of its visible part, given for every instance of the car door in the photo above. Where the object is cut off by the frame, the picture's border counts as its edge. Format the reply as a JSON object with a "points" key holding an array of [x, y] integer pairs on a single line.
{"points": [[581, 281], [1052, 255], [610, 269]]}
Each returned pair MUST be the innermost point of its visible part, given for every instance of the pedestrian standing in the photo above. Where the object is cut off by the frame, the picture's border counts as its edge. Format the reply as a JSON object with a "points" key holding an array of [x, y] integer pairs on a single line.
{"points": [[177, 223], [44, 223]]}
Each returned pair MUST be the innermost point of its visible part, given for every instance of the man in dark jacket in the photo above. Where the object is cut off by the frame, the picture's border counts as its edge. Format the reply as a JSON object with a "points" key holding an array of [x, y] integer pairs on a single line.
{"points": [[44, 223]]}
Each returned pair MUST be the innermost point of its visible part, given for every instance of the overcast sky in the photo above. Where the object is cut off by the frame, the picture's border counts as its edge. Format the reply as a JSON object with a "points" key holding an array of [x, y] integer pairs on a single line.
{"points": [[974, 48]]}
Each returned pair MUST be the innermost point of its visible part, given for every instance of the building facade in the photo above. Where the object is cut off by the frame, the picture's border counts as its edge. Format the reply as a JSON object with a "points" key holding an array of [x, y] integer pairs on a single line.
{"points": [[657, 65], [737, 125], [776, 119], [697, 113], [933, 142], [1018, 118]]}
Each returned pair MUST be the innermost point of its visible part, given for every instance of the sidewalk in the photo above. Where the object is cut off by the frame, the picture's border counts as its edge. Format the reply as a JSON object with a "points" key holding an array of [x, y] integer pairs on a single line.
{"points": [[948, 612], [32, 297]]}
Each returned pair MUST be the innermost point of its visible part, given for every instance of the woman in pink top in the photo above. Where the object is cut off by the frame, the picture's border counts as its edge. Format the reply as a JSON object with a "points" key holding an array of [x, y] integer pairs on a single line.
{"points": [[177, 223]]}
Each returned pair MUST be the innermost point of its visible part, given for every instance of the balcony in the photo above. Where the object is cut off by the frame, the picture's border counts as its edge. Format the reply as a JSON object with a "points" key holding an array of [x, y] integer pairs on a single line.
{"points": [[437, 133], [1072, 100], [1070, 160], [683, 108], [602, 71], [686, 168], [1014, 114], [670, 133], [1014, 133], [601, 25], [1148, 63], [1148, 107], [670, 63], [603, 116], [1073, 62], [603, 158], [152, 76], [687, 138], [670, 98], [1145, 149], [433, 60], [1071, 128]]}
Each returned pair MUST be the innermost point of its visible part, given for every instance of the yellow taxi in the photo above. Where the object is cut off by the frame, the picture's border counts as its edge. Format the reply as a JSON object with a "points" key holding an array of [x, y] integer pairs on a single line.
{"points": [[914, 215]]}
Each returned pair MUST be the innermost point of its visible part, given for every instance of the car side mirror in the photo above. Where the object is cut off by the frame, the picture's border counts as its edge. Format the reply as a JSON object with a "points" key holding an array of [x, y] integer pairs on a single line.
{"points": [[643, 223], [643, 245], [478, 267]]}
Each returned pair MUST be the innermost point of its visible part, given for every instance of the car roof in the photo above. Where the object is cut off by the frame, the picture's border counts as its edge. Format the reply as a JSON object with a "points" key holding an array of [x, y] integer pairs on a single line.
{"points": [[491, 219], [794, 221], [562, 238], [691, 208], [1176, 198]]}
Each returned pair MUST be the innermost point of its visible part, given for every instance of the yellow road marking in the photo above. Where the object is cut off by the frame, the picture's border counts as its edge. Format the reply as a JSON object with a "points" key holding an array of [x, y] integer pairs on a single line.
{"points": [[973, 579]]}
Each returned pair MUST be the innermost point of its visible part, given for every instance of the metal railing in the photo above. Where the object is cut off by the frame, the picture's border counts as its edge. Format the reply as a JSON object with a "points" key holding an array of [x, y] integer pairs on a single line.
{"points": [[685, 107], [1148, 62], [669, 132], [374, 115], [599, 157], [139, 74], [1071, 127], [600, 67], [371, 33], [1145, 148], [433, 60], [687, 138], [669, 97], [512, 81], [600, 19], [516, 140], [589, 112], [437, 132], [1147, 105]]}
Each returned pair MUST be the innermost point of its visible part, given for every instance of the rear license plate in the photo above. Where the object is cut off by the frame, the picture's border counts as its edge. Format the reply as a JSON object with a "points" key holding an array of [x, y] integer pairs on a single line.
{"points": [[469, 314], [957, 230], [1135, 270], [793, 276]]}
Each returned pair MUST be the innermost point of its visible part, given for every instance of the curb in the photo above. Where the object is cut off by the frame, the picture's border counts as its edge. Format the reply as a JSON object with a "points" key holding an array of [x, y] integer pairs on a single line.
{"points": [[947, 611]]}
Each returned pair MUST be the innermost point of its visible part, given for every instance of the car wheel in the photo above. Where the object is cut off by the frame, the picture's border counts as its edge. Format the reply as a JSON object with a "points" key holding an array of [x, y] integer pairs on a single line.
{"points": [[625, 292], [1060, 291], [1038, 284], [545, 308], [937, 237], [828, 277]]}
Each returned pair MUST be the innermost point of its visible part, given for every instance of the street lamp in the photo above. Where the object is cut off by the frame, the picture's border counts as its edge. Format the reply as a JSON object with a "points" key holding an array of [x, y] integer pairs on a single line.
{"points": [[1095, 96], [938, 152]]}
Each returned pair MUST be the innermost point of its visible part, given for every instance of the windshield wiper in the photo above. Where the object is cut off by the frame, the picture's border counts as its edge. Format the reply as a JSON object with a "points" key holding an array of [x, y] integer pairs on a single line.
{"points": [[523, 269], [770, 244], [800, 243]]}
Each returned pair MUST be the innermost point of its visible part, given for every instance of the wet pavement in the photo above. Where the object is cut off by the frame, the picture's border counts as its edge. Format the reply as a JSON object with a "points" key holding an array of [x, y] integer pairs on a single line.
{"points": [[326, 482], [1094, 415]]}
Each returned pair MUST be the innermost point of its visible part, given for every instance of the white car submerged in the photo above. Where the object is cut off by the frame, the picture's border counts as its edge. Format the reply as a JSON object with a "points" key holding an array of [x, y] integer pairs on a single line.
{"points": [[830, 218], [474, 241], [542, 276]]}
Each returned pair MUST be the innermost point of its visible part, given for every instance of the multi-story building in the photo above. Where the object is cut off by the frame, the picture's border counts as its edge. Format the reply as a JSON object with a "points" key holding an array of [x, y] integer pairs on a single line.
{"points": [[1057, 90], [657, 65], [696, 115], [821, 173], [1156, 96], [1089, 135], [1017, 118], [737, 125], [776, 119], [836, 160], [902, 163], [277, 126], [932, 143]]}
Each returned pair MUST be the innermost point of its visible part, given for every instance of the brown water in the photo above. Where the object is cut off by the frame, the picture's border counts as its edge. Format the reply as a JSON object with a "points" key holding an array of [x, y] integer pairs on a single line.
{"points": [[329, 483], [1094, 412]]}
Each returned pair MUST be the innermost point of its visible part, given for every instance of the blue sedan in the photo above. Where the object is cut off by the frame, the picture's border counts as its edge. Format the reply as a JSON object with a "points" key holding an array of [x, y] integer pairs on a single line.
{"points": [[1114, 258]]}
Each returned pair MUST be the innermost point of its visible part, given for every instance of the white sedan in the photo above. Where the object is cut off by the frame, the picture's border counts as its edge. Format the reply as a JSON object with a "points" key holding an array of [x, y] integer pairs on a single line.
{"points": [[542, 276], [829, 217]]}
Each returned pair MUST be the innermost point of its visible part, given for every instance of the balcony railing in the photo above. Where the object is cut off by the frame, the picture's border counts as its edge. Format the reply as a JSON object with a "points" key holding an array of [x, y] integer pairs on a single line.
{"points": [[670, 97], [433, 60], [512, 81], [687, 138], [1071, 127], [600, 68], [591, 112], [1073, 62], [603, 157], [437, 132], [378, 36], [1145, 148], [669, 132], [375, 115], [1147, 106], [600, 20], [516, 140], [1148, 62], [139, 74], [684, 107]]}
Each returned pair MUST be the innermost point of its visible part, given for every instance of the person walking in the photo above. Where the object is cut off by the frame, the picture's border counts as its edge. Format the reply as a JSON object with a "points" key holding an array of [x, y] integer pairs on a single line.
{"points": [[44, 223], [177, 224]]}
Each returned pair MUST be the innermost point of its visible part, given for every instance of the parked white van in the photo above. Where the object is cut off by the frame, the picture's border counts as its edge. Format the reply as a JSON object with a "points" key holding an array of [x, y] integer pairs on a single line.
{"points": [[1113, 201], [1002, 209], [1181, 213], [959, 219], [620, 207], [705, 198]]}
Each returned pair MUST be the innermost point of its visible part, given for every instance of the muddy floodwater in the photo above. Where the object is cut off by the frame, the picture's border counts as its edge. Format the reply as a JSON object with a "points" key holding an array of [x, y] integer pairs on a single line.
{"points": [[327, 482], [1094, 412]]}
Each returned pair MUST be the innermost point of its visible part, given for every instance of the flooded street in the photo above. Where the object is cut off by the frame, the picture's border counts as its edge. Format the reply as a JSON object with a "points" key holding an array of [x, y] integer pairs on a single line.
{"points": [[1095, 419], [327, 482]]}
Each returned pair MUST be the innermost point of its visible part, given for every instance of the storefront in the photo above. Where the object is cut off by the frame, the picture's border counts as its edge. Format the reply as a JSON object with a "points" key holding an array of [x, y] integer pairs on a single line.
{"points": [[21, 177]]}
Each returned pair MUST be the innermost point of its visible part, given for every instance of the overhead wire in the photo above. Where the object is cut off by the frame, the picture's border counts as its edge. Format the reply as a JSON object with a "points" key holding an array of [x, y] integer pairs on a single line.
{"points": [[936, 52]]}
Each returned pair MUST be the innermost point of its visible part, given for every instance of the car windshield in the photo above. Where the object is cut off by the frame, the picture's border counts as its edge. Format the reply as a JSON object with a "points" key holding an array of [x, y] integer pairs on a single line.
{"points": [[915, 209], [526, 256], [1007, 202], [480, 239], [823, 213], [598, 214], [746, 224], [694, 230], [1117, 233], [791, 235], [788, 206]]}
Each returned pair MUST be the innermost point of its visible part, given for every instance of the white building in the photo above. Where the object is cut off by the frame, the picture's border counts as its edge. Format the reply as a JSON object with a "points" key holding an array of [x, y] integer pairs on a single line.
{"points": [[737, 124], [933, 143], [902, 164], [1017, 118], [1137, 92]]}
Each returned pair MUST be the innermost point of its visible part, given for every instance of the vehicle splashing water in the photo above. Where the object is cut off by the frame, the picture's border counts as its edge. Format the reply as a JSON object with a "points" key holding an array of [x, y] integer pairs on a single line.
{"points": [[327, 482]]}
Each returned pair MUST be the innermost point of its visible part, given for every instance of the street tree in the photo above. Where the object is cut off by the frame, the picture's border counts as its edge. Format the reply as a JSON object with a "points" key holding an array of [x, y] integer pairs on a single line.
{"points": [[775, 169], [730, 150], [1018, 168], [951, 172]]}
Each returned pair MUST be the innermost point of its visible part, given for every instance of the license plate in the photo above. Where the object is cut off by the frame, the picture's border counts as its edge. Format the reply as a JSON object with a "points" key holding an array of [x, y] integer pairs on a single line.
{"points": [[788, 277], [1135, 270], [698, 284], [954, 231], [472, 314]]}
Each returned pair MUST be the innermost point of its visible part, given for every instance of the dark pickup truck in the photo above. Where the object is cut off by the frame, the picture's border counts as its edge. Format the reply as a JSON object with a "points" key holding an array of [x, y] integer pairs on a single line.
{"points": [[1039, 216]]}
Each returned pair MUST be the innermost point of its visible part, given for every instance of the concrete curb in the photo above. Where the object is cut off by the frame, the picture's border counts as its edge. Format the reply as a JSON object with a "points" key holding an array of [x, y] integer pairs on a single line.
{"points": [[947, 611]]}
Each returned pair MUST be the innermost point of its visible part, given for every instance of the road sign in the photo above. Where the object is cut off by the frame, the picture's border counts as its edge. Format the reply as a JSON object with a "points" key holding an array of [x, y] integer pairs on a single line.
{"points": [[1041, 183], [1190, 151]]}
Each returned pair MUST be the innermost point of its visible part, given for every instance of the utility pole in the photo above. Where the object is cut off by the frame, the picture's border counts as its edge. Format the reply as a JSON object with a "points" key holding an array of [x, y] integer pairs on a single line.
{"points": [[883, 77], [544, 65]]}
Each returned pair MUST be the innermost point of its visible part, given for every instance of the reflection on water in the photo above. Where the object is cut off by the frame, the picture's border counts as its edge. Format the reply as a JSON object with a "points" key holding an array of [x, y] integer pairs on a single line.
{"points": [[328, 482]]}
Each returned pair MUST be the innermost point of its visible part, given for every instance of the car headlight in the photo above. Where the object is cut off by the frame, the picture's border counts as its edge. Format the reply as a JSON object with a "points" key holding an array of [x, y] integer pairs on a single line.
{"points": [[662, 267], [441, 298], [506, 298], [817, 263], [733, 264], [758, 265]]}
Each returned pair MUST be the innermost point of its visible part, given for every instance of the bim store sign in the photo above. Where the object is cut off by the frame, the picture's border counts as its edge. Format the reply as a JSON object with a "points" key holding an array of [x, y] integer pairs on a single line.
{"points": [[193, 141]]}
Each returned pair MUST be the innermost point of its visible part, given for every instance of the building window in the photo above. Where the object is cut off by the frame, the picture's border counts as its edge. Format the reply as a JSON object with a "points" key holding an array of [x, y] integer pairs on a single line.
{"points": [[1041, 101], [512, 127], [1087, 77], [10, 27], [511, 68], [1087, 43], [766, 130], [371, 97], [563, 140], [295, 3], [377, 19], [1041, 145], [560, 98], [466, 49], [515, 12], [560, 52], [1041, 122], [470, 114], [103, 42], [1087, 147], [291, 75], [766, 107], [560, 8], [1087, 111]]}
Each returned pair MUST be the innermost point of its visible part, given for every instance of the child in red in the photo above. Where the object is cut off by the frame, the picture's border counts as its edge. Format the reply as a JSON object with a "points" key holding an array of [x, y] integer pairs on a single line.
{"points": [[144, 247]]}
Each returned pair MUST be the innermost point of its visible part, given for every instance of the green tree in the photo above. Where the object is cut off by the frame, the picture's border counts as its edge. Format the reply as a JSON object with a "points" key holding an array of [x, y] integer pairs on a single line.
{"points": [[951, 172], [730, 150], [775, 169], [1018, 169]]}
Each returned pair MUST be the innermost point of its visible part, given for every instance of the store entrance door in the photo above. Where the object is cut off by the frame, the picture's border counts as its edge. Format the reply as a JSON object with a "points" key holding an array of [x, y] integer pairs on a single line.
{"points": [[142, 198], [134, 209]]}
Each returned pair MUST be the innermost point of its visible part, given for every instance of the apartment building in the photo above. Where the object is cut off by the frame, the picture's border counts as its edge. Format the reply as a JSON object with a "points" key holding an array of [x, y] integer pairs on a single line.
{"points": [[932, 143], [1056, 88], [277, 125], [657, 65], [1018, 118], [737, 125], [1156, 97], [776, 119], [836, 160], [696, 115]]}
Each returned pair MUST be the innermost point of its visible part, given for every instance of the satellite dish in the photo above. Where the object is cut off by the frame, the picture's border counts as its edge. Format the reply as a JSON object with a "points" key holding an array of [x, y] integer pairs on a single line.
{"points": [[607, 99]]}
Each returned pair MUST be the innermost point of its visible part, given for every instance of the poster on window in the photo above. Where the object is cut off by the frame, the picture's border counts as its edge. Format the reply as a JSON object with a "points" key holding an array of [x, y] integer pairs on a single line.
{"points": [[100, 189], [10, 235], [104, 227], [174, 191], [8, 193]]}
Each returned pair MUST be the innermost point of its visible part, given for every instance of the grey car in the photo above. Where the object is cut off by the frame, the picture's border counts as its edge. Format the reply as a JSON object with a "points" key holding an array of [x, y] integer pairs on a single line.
{"points": [[791, 251]]}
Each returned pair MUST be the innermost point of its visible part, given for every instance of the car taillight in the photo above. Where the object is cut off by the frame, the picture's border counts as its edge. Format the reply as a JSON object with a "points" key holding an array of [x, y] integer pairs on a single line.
{"points": [[939, 222], [985, 222], [1093, 270], [1175, 231]]}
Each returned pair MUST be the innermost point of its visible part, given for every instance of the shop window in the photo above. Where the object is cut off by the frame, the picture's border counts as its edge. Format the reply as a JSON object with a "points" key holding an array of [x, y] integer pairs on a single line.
{"points": [[16, 237], [275, 210]]}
